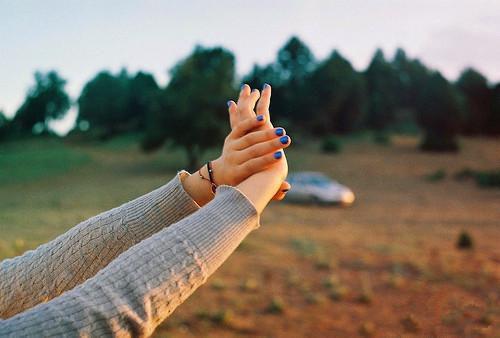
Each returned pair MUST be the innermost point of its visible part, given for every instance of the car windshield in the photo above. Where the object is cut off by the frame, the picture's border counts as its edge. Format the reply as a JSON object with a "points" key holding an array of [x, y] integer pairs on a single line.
{"points": [[319, 181]]}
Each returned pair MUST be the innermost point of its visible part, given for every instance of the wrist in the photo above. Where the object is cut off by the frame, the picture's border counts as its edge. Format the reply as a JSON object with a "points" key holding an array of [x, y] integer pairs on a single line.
{"points": [[198, 188], [217, 172]]}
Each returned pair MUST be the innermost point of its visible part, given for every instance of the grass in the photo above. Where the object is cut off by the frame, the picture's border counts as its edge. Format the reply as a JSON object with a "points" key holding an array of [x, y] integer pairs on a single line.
{"points": [[28, 161], [397, 243]]}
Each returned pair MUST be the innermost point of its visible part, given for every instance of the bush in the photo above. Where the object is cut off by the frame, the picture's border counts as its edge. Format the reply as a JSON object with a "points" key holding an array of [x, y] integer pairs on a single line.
{"points": [[382, 138], [433, 142], [464, 174], [488, 179], [276, 306], [436, 176], [464, 241], [484, 179], [331, 144]]}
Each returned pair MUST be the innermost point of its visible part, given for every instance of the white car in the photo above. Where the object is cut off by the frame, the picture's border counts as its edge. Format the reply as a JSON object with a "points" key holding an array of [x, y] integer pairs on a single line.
{"points": [[315, 187]]}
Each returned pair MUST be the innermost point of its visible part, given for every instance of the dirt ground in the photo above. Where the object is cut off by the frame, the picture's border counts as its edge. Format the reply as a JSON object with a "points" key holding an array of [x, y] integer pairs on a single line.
{"points": [[386, 267]]}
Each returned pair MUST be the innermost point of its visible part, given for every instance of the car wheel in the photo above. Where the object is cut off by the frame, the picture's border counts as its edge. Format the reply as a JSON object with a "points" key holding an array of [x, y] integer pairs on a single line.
{"points": [[315, 199]]}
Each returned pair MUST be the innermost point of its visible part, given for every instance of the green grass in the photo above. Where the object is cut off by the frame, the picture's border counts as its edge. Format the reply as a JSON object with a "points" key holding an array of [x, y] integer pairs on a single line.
{"points": [[27, 160]]}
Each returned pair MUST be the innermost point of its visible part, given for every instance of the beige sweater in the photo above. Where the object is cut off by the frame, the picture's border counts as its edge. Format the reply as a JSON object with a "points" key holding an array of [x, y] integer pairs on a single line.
{"points": [[121, 273]]}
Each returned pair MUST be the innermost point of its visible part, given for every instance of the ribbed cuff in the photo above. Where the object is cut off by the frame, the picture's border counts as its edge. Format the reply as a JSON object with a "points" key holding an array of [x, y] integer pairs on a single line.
{"points": [[160, 208], [221, 227]]}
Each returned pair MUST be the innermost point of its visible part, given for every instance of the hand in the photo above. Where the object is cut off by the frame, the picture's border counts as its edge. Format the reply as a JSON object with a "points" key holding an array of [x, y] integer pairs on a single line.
{"points": [[247, 152], [245, 109], [248, 149]]}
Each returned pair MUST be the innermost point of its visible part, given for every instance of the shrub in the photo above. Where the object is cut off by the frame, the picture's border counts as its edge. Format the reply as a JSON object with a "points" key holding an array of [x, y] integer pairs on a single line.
{"points": [[382, 138], [223, 317], [488, 179], [218, 284], [436, 176], [464, 174], [367, 329], [439, 143], [276, 306], [331, 144], [410, 324], [338, 292], [464, 241]]}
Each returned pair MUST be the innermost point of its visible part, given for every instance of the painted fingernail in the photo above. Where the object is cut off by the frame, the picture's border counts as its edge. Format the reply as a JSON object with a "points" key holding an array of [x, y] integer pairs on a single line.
{"points": [[279, 131], [242, 86], [260, 117], [266, 86], [228, 104], [284, 139], [278, 155]]}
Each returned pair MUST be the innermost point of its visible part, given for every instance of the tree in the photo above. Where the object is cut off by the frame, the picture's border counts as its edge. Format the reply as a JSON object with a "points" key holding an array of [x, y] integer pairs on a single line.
{"points": [[192, 110], [45, 101], [294, 64], [337, 95], [4, 122], [103, 103], [493, 122], [381, 81], [439, 114], [478, 100], [142, 95]]}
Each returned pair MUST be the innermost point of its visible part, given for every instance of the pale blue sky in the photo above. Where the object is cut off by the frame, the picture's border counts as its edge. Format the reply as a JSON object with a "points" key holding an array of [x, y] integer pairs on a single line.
{"points": [[79, 38]]}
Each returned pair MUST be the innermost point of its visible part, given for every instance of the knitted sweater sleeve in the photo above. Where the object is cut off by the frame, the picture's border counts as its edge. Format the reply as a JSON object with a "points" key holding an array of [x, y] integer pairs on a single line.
{"points": [[140, 288], [46, 272]]}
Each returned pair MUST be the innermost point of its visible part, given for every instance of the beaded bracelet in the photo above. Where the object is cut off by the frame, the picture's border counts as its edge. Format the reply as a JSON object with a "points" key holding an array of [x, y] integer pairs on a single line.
{"points": [[210, 176]]}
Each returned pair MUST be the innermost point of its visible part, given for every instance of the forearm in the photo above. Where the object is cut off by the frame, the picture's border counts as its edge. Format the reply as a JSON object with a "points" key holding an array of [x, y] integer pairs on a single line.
{"points": [[60, 265], [139, 289]]}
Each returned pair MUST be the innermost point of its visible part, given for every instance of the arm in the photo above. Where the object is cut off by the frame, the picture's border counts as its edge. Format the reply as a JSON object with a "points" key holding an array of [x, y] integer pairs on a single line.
{"points": [[139, 289], [46, 272]]}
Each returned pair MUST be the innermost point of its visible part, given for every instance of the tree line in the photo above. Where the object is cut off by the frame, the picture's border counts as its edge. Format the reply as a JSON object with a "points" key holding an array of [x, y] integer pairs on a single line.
{"points": [[314, 97]]}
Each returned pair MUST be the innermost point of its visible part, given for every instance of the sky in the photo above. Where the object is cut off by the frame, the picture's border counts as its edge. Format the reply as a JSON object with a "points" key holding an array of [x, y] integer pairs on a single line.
{"points": [[80, 38]]}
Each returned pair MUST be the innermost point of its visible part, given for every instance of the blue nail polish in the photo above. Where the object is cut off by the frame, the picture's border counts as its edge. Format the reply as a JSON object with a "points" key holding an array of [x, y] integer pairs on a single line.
{"points": [[266, 86], [279, 131], [242, 86], [260, 117], [284, 139], [278, 154], [228, 104]]}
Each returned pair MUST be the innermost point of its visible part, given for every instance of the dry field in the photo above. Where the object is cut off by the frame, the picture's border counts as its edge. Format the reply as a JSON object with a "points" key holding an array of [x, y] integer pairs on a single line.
{"points": [[385, 267]]}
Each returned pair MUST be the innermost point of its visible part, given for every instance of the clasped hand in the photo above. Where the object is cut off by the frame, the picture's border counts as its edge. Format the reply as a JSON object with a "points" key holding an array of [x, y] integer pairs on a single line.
{"points": [[252, 157]]}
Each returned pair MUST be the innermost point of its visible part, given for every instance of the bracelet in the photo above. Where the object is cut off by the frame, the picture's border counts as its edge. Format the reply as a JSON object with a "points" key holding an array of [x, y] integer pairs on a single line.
{"points": [[210, 176]]}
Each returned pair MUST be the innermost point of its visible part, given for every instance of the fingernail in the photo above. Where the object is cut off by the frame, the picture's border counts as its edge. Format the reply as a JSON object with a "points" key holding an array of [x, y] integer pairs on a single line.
{"points": [[285, 190], [242, 86], [284, 139], [260, 117], [266, 86], [279, 131], [228, 104], [278, 154]]}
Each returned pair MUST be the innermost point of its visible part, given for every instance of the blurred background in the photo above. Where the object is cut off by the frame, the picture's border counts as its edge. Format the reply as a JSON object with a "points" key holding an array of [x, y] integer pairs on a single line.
{"points": [[396, 102]]}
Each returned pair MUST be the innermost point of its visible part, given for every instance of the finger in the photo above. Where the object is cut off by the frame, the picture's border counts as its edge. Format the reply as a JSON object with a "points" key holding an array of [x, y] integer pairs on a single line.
{"points": [[265, 101], [278, 196], [258, 137], [260, 149], [254, 97], [247, 105], [232, 109], [244, 91], [242, 128], [254, 165], [281, 194]]}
